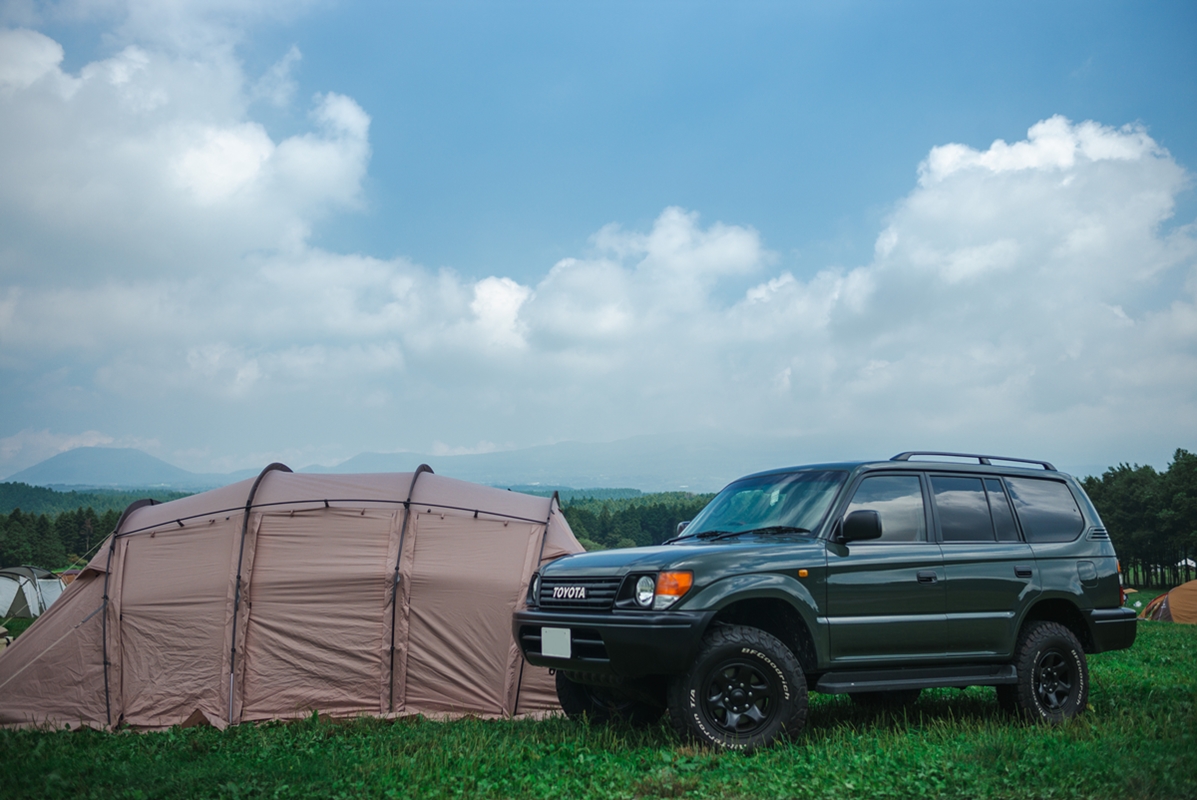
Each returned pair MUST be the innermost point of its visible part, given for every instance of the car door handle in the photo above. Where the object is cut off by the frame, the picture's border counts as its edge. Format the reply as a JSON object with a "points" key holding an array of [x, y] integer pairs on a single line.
{"points": [[928, 576], [1022, 571]]}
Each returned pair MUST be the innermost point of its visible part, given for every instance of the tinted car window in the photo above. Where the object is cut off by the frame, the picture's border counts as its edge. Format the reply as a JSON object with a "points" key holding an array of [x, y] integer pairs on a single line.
{"points": [[898, 499], [999, 505], [963, 509], [1046, 509]]}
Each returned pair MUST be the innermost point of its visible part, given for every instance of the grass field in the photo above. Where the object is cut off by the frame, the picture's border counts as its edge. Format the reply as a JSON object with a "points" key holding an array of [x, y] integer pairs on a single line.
{"points": [[1138, 740]]}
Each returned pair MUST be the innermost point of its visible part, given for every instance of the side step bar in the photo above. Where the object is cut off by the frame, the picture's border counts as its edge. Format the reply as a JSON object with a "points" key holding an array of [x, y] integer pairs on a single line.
{"points": [[883, 680]]}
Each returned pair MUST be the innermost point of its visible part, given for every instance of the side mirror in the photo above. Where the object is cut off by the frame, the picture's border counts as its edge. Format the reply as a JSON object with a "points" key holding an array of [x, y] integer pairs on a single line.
{"points": [[862, 525], [681, 526]]}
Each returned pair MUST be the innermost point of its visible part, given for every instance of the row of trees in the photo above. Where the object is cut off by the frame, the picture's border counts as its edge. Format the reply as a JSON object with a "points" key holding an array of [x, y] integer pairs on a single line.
{"points": [[635, 522], [1152, 518], [52, 542]]}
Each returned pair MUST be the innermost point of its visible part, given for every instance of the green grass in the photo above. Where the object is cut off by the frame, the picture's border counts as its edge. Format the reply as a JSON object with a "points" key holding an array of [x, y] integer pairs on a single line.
{"points": [[17, 625], [1138, 740]]}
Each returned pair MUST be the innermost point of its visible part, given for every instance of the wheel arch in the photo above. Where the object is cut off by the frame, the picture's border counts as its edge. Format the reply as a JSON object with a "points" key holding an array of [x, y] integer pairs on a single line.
{"points": [[1065, 612], [777, 616]]}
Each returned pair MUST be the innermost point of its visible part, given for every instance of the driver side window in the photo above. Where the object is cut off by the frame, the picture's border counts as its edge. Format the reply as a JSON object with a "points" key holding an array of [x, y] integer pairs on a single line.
{"points": [[898, 499]]}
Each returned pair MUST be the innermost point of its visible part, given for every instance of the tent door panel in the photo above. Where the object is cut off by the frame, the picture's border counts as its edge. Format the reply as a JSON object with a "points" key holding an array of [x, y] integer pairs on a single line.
{"points": [[172, 615], [319, 587], [464, 584]]}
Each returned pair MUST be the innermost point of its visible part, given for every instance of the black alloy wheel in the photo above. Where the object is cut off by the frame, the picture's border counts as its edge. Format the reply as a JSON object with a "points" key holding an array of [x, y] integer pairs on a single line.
{"points": [[740, 698], [1053, 680]]}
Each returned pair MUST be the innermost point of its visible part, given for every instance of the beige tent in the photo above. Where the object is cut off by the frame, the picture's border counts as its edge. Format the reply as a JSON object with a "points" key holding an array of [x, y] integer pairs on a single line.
{"points": [[1178, 605], [272, 598]]}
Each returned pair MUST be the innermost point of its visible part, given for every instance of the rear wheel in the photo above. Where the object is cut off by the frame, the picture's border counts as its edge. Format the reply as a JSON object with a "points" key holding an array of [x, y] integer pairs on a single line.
{"points": [[745, 690], [1053, 676], [602, 705]]}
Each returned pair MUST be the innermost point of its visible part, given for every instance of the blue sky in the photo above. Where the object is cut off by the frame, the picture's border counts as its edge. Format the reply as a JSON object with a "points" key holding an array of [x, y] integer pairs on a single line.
{"points": [[322, 228]]}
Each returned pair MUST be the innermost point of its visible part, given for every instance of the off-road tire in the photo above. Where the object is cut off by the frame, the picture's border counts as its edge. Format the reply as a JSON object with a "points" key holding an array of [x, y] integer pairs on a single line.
{"points": [[601, 705], [745, 690], [893, 700], [1053, 675]]}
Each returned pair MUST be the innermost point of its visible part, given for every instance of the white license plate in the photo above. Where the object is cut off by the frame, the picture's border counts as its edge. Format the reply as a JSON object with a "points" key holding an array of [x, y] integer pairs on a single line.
{"points": [[554, 643]]}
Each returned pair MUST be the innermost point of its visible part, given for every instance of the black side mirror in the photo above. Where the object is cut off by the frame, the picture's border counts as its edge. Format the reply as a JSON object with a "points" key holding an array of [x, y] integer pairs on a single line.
{"points": [[861, 525], [681, 526]]}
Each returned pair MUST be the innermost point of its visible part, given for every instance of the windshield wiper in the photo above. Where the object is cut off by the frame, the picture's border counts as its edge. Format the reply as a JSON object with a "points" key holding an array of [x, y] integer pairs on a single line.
{"points": [[715, 536], [779, 529], [767, 529], [702, 535]]}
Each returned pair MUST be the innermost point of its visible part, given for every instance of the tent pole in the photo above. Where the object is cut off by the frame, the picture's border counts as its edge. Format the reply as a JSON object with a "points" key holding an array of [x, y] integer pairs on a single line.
{"points": [[411, 490], [249, 502], [136, 504]]}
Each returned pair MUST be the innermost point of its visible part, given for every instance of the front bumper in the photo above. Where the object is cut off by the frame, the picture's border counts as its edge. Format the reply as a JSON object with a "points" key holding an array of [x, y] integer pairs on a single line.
{"points": [[628, 644], [1113, 628]]}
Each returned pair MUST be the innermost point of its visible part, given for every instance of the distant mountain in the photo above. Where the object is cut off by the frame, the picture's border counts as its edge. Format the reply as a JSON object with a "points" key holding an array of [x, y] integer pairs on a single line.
{"points": [[694, 462], [117, 467], [653, 463]]}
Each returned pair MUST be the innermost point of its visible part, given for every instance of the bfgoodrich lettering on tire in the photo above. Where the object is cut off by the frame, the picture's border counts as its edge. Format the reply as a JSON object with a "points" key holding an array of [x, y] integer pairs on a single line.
{"points": [[744, 691], [1053, 676]]}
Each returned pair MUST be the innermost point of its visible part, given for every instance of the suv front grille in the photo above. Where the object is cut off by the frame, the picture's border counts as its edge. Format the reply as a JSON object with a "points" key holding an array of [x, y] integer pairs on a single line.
{"points": [[578, 594]]}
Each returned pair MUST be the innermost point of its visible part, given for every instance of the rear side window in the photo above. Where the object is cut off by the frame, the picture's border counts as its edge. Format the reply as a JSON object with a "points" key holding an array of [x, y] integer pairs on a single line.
{"points": [[1046, 509], [963, 509]]}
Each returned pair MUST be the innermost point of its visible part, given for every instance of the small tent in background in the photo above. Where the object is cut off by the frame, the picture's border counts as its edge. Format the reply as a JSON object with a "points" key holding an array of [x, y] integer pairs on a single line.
{"points": [[1178, 605], [272, 598], [27, 591]]}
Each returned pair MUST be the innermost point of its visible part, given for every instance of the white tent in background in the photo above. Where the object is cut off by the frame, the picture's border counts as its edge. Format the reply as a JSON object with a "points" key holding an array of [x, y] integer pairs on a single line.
{"points": [[27, 591]]}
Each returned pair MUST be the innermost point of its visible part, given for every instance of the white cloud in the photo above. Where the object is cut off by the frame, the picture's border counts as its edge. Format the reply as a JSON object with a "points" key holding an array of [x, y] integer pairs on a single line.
{"points": [[147, 162], [25, 57]]}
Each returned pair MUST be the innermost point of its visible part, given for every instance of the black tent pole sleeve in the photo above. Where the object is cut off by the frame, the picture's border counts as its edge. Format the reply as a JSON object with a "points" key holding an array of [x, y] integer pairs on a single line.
{"points": [[136, 504], [249, 503], [420, 470]]}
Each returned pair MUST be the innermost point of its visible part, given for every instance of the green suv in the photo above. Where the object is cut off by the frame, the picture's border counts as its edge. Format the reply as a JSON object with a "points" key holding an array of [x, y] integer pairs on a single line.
{"points": [[875, 579]]}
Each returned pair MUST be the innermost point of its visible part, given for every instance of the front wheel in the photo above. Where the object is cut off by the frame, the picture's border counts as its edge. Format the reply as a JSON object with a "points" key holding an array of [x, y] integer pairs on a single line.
{"points": [[745, 690], [1053, 676]]}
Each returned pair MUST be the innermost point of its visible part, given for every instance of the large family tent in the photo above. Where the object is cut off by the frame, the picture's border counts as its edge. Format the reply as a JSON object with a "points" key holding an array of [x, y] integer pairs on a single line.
{"points": [[1178, 605], [273, 598], [27, 591]]}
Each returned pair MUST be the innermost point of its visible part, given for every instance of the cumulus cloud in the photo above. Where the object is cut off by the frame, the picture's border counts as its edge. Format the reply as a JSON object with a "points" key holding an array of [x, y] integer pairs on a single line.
{"points": [[156, 273], [148, 162]]}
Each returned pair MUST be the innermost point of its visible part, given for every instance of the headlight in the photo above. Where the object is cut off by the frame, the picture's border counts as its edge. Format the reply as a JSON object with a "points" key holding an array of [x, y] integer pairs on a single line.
{"points": [[534, 590], [646, 587]]}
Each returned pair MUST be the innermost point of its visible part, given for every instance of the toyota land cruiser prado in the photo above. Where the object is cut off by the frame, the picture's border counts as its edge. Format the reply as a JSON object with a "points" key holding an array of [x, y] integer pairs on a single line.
{"points": [[875, 579]]}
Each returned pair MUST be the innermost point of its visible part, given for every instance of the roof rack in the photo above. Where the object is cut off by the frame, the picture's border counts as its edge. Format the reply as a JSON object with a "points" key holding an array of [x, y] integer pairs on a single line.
{"points": [[986, 460]]}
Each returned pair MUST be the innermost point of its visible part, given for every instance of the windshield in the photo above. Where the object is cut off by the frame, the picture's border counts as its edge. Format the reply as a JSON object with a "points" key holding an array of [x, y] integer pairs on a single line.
{"points": [[786, 502]]}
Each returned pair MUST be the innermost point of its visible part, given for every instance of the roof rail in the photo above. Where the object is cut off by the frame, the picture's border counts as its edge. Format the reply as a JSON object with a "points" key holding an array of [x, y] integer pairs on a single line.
{"points": [[986, 460]]}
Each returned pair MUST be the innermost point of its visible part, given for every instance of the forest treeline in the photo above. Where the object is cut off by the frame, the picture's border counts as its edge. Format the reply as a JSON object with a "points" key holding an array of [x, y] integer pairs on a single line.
{"points": [[1151, 516]]}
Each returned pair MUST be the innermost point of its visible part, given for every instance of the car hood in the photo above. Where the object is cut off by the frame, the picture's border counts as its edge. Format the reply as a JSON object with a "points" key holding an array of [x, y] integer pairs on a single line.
{"points": [[693, 556]]}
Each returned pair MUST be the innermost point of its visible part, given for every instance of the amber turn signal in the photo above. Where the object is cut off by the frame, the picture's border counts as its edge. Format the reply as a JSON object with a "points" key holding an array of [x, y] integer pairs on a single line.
{"points": [[674, 584]]}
